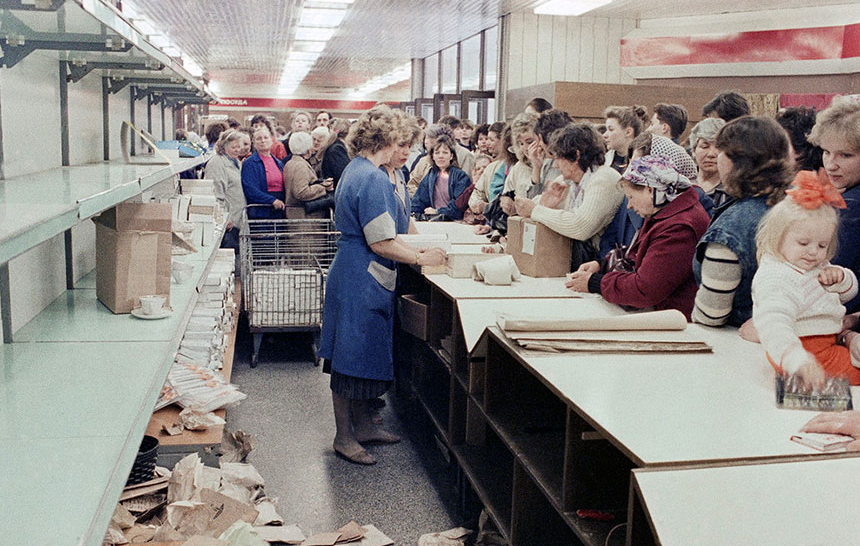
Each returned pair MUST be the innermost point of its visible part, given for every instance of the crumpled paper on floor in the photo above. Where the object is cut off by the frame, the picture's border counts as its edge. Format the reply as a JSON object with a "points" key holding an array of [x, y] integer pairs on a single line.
{"points": [[289, 534], [190, 419], [451, 537], [268, 513], [242, 534], [235, 446], [241, 474], [183, 481]]}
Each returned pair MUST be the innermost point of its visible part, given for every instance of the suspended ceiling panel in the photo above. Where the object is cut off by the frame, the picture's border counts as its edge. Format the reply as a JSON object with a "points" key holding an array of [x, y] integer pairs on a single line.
{"points": [[244, 44]]}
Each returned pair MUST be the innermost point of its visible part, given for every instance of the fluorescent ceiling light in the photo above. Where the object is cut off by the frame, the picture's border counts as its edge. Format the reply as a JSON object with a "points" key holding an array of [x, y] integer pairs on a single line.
{"points": [[192, 67], [399, 74], [171, 51], [332, 1], [304, 55], [569, 7], [327, 18], [317, 34], [144, 26], [308, 46], [159, 40]]}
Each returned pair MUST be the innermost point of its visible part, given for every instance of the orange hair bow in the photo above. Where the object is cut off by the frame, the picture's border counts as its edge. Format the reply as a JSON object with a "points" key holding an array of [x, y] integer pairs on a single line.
{"points": [[812, 190]]}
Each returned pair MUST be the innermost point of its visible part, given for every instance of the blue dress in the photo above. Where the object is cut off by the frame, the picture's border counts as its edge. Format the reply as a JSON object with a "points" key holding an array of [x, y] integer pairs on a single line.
{"points": [[358, 313]]}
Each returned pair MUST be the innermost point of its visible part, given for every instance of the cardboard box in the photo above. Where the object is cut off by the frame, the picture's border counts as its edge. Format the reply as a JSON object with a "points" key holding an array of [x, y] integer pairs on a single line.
{"points": [[460, 264], [537, 250], [133, 253], [413, 316]]}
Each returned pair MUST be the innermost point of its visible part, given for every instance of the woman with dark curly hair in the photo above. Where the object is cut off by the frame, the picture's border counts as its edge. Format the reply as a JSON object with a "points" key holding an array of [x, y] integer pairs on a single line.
{"points": [[798, 122], [755, 171], [358, 316], [583, 204]]}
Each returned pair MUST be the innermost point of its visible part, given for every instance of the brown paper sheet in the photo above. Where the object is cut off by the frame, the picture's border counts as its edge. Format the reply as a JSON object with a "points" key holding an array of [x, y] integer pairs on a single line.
{"points": [[289, 534], [350, 532], [322, 539], [670, 319]]}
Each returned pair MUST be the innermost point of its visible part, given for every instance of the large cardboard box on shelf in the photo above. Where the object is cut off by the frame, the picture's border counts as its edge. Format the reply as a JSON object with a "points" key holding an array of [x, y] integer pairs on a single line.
{"points": [[537, 250], [133, 253]]}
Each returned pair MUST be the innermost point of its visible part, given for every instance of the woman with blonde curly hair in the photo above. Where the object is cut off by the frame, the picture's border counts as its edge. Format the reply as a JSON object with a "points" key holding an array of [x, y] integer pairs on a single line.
{"points": [[837, 132], [358, 316]]}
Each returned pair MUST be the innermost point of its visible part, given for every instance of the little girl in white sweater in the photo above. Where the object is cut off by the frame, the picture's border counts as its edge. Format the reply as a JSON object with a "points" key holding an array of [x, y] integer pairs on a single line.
{"points": [[797, 295]]}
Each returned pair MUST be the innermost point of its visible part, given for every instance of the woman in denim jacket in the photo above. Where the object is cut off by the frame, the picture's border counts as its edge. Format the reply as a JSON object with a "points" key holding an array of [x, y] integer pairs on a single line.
{"points": [[755, 170]]}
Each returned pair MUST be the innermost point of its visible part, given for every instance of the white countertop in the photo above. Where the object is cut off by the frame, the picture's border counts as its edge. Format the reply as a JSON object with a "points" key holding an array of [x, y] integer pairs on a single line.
{"points": [[798, 503], [680, 408], [458, 234]]}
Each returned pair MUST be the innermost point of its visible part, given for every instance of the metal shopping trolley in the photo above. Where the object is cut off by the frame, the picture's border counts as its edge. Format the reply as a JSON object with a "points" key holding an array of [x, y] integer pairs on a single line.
{"points": [[284, 265]]}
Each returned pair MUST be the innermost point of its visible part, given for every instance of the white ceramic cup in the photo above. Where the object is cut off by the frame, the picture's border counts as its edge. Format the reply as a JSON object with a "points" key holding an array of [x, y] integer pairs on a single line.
{"points": [[150, 305]]}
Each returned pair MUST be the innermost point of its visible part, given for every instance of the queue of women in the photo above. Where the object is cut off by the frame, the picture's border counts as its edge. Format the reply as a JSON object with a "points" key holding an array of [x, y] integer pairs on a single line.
{"points": [[754, 227]]}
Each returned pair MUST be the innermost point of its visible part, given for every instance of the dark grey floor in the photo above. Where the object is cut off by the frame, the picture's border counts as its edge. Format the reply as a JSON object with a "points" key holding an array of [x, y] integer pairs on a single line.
{"points": [[409, 492]]}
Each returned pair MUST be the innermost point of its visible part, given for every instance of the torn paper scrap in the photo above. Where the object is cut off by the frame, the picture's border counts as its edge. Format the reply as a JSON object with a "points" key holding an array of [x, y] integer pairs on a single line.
{"points": [[289, 534]]}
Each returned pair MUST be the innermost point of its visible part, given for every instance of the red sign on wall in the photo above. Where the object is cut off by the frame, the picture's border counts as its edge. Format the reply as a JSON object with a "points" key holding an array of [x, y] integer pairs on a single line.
{"points": [[294, 104]]}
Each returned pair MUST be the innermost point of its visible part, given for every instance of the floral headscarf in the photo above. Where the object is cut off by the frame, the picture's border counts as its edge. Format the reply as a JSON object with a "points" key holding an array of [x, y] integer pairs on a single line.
{"points": [[657, 172]]}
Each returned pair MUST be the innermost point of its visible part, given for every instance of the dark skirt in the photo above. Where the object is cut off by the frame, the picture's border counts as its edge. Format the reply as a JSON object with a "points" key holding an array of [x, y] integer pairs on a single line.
{"points": [[357, 388]]}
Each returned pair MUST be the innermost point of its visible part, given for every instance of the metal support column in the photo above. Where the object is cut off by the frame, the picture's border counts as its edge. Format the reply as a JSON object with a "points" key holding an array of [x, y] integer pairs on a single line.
{"points": [[5, 302], [163, 128], [64, 114], [105, 119], [131, 120], [70, 259]]}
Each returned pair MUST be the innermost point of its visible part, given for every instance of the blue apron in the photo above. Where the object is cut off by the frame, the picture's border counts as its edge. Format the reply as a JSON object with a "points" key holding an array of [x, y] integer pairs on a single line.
{"points": [[358, 313]]}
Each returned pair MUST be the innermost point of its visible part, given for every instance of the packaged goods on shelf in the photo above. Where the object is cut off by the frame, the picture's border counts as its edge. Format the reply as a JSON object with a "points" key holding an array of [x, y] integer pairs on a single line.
{"points": [[201, 388]]}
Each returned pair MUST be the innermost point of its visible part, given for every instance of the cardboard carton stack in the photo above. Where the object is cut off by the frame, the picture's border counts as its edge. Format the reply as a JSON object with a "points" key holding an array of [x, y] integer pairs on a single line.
{"points": [[198, 206]]}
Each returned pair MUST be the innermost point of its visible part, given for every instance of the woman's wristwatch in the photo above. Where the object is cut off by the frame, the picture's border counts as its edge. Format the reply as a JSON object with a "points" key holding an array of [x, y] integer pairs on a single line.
{"points": [[417, 258]]}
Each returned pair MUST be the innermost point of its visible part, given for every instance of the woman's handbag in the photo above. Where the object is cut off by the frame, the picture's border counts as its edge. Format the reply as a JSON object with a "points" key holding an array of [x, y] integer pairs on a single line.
{"points": [[320, 204], [618, 259]]}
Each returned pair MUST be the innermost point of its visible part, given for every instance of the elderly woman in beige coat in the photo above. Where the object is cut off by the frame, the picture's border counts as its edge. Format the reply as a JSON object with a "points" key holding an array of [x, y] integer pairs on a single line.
{"points": [[224, 169], [299, 177]]}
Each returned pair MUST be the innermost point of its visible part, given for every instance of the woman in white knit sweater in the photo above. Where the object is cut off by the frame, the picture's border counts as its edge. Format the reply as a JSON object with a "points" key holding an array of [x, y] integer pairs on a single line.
{"points": [[584, 204], [797, 295]]}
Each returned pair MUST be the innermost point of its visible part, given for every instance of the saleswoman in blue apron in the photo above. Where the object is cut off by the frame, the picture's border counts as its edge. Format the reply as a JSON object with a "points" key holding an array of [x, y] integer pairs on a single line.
{"points": [[358, 317]]}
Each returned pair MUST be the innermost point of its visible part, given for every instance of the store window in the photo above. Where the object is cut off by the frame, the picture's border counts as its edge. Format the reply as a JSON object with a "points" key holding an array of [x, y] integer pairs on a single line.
{"points": [[431, 75], [470, 63], [449, 70], [491, 37]]}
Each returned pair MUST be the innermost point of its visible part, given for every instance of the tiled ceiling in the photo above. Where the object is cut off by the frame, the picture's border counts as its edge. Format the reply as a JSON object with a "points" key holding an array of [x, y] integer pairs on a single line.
{"points": [[244, 44], [247, 42]]}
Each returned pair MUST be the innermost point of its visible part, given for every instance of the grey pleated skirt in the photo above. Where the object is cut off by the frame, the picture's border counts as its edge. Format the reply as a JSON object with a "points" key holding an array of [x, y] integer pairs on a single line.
{"points": [[355, 388]]}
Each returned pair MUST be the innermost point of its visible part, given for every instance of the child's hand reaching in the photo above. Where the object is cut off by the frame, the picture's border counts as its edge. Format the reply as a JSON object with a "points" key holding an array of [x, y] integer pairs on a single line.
{"points": [[831, 275], [812, 374]]}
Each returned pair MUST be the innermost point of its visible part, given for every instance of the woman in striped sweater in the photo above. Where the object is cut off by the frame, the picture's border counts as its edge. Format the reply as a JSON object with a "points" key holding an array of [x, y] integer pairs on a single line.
{"points": [[755, 171]]}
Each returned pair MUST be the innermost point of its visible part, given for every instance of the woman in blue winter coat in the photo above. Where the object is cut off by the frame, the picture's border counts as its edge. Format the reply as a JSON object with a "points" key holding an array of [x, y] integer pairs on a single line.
{"points": [[438, 191], [263, 179]]}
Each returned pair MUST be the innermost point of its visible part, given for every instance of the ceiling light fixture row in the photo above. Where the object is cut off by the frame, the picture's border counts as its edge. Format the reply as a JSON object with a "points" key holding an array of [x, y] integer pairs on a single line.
{"points": [[399, 74], [568, 7], [159, 40], [317, 24]]}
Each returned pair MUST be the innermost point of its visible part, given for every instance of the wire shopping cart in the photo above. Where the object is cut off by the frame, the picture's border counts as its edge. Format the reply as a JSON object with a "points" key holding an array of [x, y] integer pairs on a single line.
{"points": [[284, 265]]}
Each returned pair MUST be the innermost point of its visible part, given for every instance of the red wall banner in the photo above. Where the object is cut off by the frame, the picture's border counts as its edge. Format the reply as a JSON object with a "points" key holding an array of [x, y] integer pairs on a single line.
{"points": [[799, 44]]}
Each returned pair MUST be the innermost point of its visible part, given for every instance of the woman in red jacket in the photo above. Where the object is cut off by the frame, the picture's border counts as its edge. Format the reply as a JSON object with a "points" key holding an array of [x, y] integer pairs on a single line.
{"points": [[663, 248]]}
